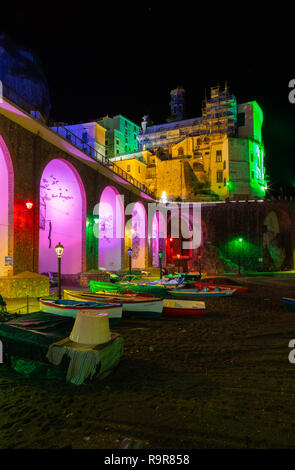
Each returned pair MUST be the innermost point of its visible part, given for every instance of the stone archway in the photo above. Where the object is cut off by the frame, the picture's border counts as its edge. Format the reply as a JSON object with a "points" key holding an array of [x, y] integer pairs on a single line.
{"points": [[6, 210], [139, 236], [62, 217], [277, 241], [111, 229]]}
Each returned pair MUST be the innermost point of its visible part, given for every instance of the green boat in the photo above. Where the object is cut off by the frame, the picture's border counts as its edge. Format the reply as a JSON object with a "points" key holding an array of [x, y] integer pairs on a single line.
{"points": [[155, 291]]}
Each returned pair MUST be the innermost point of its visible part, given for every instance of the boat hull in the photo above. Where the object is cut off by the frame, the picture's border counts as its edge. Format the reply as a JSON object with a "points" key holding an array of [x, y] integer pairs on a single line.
{"points": [[133, 304], [238, 289], [195, 293], [114, 311], [183, 308], [289, 304]]}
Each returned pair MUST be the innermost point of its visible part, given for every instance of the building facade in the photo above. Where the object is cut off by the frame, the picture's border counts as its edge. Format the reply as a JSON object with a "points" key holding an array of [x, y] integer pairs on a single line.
{"points": [[121, 135], [217, 156], [90, 135]]}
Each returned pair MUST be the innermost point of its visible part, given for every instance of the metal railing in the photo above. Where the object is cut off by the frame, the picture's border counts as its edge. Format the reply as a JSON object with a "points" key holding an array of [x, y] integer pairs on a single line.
{"points": [[79, 143]]}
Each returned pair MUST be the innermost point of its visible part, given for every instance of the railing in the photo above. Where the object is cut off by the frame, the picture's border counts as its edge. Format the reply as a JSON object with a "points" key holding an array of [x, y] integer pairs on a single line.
{"points": [[65, 133], [13, 96]]}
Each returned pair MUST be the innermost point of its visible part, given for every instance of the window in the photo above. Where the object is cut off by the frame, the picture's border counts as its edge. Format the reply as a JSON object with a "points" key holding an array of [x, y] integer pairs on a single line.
{"points": [[128, 168], [117, 142], [219, 155], [84, 136], [224, 181], [241, 119], [139, 169], [219, 176], [199, 141], [252, 157], [224, 164], [180, 151], [252, 175]]}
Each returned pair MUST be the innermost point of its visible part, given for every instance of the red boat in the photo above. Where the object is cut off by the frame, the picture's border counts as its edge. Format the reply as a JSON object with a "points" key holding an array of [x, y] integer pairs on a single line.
{"points": [[213, 283], [178, 307]]}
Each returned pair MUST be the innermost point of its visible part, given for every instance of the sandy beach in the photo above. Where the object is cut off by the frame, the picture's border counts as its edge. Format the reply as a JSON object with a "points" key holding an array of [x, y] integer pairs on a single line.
{"points": [[218, 381]]}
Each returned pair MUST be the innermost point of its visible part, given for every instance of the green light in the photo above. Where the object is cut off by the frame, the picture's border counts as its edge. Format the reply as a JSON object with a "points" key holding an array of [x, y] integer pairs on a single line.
{"points": [[240, 240], [160, 254]]}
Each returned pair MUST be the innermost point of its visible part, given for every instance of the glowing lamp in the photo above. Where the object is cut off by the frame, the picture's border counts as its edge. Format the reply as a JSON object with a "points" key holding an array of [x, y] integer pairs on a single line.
{"points": [[178, 256], [171, 239], [59, 250], [160, 254], [130, 252], [29, 205], [96, 220], [240, 240]]}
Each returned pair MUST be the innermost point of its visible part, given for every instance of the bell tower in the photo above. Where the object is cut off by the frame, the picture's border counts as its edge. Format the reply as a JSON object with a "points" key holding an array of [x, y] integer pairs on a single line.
{"points": [[177, 104]]}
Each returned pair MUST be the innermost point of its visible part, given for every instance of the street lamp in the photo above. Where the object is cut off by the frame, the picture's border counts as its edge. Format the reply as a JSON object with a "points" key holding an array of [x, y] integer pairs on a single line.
{"points": [[160, 259], [59, 251], [178, 257], [240, 240], [130, 254]]}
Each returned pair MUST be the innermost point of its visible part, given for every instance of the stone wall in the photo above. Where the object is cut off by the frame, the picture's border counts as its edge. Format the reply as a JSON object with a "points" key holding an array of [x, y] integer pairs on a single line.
{"points": [[23, 285]]}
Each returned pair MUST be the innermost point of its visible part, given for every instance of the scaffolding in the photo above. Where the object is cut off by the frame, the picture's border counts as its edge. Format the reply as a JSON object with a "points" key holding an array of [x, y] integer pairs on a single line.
{"points": [[220, 112]]}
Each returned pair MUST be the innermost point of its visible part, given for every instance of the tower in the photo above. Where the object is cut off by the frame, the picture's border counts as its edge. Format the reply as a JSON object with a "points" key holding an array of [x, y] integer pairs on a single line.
{"points": [[177, 104]]}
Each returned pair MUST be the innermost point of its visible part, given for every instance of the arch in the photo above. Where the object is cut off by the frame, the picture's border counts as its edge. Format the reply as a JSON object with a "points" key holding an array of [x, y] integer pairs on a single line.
{"points": [[6, 207], [189, 250], [277, 241], [139, 238], [62, 217], [111, 229]]}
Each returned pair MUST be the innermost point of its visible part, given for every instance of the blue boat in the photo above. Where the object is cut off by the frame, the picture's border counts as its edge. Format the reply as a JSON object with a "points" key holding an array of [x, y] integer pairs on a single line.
{"points": [[289, 304], [205, 292]]}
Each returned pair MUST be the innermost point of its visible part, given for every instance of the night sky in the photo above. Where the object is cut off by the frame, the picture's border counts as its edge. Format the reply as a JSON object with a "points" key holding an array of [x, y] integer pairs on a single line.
{"points": [[125, 60]]}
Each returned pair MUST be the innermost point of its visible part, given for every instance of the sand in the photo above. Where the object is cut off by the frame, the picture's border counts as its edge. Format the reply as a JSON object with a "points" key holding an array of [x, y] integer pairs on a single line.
{"points": [[218, 381]]}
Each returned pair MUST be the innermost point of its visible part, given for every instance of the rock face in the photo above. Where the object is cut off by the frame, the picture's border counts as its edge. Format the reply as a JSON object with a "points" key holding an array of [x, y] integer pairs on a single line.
{"points": [[20, 71]]}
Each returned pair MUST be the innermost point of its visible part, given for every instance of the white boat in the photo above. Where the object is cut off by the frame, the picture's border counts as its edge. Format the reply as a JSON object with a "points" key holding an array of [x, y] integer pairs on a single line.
{"points": [[70, 308], [146, 307]]}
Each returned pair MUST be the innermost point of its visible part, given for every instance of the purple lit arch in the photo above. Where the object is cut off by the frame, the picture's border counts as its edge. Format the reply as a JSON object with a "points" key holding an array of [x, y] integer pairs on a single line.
{"points": [[6, 206], [62, 217]]}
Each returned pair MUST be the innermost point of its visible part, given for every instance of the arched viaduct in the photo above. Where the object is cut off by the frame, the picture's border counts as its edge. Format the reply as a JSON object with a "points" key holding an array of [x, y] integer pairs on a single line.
{"points": [[65, 184]]}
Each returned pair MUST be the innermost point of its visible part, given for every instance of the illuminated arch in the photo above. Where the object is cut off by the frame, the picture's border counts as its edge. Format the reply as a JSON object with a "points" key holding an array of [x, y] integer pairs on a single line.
{"points": [[277, 240], [62, 217], [111, 229], [6, 207], [139, 238]]}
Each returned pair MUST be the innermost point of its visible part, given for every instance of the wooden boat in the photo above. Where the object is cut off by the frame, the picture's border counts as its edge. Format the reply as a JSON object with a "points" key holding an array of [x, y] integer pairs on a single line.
{"points": [[70, 308], [213, 283], [141, 288], [289, 304], [178, 307], [146, 306], [205, 292]]}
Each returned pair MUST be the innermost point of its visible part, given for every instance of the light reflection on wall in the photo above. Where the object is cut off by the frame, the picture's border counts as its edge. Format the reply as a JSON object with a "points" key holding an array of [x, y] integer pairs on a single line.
{"points": [[111, 240], [3, 213], [139, 224], [61, 209]]}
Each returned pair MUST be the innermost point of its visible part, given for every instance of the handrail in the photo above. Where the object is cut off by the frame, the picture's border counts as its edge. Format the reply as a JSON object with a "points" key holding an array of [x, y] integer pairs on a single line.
{"points": [[65, 133]]}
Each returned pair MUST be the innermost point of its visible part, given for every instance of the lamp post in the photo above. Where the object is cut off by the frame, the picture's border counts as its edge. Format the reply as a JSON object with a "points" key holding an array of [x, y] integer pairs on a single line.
{"points": [[240, 240], [160, 259], [178, 257], [130, 254], [59, 251], [29, 206], [200, 265]]}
